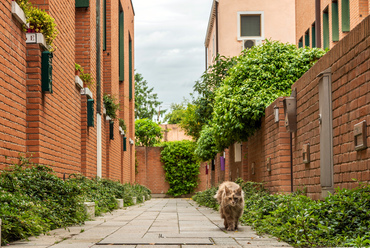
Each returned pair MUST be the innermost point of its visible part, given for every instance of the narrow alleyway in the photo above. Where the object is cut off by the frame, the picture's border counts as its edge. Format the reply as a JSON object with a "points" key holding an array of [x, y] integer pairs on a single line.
{"points": [[157, 223]]}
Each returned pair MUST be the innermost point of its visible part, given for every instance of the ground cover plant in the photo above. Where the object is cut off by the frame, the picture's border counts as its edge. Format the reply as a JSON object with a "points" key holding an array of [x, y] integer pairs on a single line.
{"points": [[342, 219], [33, 200]]}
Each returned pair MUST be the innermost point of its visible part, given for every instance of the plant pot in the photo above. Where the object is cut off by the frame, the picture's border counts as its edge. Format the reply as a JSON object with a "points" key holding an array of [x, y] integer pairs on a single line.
{"points": [[77, 73]]}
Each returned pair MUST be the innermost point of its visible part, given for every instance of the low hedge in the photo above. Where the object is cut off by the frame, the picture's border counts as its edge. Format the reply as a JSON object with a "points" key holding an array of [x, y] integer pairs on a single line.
{"points": [[33, 200], [342, 219]]}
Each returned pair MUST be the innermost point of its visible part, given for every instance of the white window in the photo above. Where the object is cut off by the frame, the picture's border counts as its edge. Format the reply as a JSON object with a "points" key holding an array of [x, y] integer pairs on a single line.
{"points": [[251, 25]]}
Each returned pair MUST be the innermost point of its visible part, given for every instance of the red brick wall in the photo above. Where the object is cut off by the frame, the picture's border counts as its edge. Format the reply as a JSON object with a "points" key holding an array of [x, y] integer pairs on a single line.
{"points": [[349, 62], [12, 87], [150, 170]]}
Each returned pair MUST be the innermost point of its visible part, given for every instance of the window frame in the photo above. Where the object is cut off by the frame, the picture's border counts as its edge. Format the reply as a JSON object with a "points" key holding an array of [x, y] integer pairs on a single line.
{"points": [[246, 13]]}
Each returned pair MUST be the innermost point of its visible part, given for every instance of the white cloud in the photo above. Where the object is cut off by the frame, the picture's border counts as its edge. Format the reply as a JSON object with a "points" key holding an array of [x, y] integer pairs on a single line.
{"points": [[169, 45]]}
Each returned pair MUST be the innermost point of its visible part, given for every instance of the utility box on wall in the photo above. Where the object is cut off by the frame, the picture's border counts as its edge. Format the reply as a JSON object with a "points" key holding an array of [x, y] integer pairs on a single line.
{"points": [[290, 113], [47, 72]]}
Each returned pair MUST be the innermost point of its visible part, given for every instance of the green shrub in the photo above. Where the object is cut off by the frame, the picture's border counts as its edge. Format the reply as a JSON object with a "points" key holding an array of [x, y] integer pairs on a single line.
{"points": [[342, 219], [33, 200], [205, 198], [180, 166]]}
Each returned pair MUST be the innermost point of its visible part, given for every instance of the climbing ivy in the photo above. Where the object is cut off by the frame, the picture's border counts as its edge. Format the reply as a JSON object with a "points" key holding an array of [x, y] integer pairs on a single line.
{"points": [[181, 167], [261, 74]]}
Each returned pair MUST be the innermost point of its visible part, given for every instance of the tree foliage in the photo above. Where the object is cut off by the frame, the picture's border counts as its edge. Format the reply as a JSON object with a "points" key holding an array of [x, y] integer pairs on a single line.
{"points": [[181, 167], [147, 133], [189, 123], [206, 148], [146, 102], [176, 114], [260, 75]]}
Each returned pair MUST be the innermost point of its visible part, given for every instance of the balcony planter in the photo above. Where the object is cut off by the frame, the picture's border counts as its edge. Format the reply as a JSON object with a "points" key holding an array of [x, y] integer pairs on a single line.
{"points": [[87, 92], [36, 38], [79, 82], [18, 13]]}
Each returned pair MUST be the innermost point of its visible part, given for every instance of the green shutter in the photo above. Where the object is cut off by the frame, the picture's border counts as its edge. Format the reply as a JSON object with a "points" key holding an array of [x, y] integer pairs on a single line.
{"points": [[307, 38], [345, 16], [325, 25], [130, 69], [90, 112], [104, 25], [121, 47], [82, 3], [47, 71], [124, 144], [334, 21], [111, 130], [313, 35]]}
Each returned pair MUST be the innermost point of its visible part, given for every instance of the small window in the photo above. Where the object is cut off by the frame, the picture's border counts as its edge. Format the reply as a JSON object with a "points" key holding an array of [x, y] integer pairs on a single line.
{"points": [[307, 38], [250, 25], [325, 28], [313, 35], [300, 42]]}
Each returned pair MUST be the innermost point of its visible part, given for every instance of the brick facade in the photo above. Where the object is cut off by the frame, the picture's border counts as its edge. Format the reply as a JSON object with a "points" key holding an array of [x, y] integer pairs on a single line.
{"points": [[53, 127]]}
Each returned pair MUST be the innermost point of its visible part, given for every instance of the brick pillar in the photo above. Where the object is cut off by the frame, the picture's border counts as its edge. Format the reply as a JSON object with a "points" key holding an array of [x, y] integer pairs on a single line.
{"points": [[35, 97]]}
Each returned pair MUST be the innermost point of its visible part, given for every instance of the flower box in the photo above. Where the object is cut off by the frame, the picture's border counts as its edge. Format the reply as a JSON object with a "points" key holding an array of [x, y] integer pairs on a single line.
{"points": [[86, 91], [36, 38], [18, 13], [79, 82]]}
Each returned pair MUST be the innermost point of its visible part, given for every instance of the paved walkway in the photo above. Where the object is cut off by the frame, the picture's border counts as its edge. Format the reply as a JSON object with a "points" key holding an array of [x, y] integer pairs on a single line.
{"points": [[168, 223]]}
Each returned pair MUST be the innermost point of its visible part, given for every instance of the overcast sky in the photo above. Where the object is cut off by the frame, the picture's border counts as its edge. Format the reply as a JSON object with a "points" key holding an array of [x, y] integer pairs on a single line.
{"points": [[169, 45]]}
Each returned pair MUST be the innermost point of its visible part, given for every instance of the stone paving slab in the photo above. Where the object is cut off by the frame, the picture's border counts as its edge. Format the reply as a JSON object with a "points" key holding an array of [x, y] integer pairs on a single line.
{"points": [[167, 223]]}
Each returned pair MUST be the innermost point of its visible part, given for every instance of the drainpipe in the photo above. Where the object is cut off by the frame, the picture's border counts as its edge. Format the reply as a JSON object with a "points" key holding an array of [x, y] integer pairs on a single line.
{"points": [[291, 162], [318, 22], [98, 95], [216, 27]]}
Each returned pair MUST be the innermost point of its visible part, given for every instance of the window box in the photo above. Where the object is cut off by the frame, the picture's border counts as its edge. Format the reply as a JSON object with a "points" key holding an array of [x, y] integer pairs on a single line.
{"points": [[36, 38], [18, 13], [86, 91], [79, 82]]}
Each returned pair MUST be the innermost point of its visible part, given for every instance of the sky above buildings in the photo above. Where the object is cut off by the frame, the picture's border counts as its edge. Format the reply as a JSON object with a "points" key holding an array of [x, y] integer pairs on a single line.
{"points": [[169, 45]]}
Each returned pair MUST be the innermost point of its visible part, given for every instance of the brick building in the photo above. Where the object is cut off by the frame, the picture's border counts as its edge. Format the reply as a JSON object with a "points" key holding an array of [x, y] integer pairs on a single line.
{"points": [[322, 23], [66, 127]]}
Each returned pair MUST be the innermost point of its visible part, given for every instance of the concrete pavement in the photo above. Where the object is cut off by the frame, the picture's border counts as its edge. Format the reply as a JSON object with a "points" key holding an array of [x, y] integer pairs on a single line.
{"points": [[168, 223]]}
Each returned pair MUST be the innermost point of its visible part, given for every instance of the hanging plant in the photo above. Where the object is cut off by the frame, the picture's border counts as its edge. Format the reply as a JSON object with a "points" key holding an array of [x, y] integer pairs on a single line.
{"points": [[111, 106]]}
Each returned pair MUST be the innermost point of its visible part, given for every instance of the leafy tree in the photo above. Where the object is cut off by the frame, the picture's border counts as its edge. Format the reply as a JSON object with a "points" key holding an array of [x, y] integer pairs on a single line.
{"points": [[206, 148], [177, 112], [181, 167], [189, 123], [261, 74], [146, 102], [147, 132]]}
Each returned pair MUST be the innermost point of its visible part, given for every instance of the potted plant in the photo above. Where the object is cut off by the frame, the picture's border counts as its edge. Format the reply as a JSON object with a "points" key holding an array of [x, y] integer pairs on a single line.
{"points": [[78, 69], [122, 124], [87, 79], [42, 22], [111, 106]]}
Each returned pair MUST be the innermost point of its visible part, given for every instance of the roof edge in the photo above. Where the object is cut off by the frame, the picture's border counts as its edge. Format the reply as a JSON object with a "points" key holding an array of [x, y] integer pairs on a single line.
{"points": [[210, 22]]}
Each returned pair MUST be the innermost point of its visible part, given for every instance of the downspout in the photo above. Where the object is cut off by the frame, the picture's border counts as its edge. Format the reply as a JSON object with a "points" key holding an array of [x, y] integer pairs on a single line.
{"points": [[98, 95], [291, 162], [216, 27], [318, 23]]}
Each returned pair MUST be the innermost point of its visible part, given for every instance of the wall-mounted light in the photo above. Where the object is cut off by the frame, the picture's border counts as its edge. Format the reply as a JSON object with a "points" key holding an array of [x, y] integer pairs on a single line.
{"points": [[360, 136], [253, 168], [306, 153], [276, 113]]}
